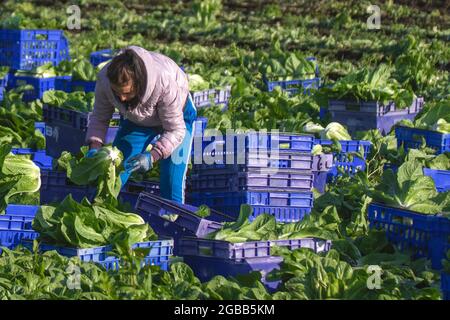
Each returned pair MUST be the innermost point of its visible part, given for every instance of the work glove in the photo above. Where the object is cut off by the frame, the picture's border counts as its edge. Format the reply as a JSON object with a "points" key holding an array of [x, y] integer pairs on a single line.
{"points": [[141, 162], [91, 153]]}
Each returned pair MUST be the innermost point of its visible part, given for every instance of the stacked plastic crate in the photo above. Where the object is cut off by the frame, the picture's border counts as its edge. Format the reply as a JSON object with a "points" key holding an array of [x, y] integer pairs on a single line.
{"points": [[272, 172], [27, 49], [366, 115], [65, 130], [208, 257]]}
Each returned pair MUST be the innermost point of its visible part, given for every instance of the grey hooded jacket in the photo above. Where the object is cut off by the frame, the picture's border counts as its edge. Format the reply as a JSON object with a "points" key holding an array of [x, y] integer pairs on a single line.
{"points": [[161, 106]]}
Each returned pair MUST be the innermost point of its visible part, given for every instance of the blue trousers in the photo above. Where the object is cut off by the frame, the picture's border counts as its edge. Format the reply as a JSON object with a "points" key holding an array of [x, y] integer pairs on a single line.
{"points": [[132, 139]]}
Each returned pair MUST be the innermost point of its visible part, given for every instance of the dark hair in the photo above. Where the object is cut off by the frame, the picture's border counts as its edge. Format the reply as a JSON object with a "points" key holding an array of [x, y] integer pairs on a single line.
{"points": [[125, 67]]}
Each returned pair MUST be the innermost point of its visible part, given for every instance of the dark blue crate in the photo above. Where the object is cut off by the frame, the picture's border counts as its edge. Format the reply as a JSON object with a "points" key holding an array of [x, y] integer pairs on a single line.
{"points": [[55, 186], [153, 208], [293, 86], [86, 86], [445, 286], [441, 178], [101, 56], [411, 138], [66, 84], [159, 254], [286, 207], [231, 180], [40, 85], [206, 268], [63, 83], [2, 90], [363, 116], [422, 235], [27, 49], [130, 192], [65, 130], [40, 126], [39, 157], [209, 258]]}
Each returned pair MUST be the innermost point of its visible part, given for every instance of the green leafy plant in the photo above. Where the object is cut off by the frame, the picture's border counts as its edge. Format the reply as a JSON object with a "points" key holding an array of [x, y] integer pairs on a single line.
{"points": [[410, 189], [19, 176]]}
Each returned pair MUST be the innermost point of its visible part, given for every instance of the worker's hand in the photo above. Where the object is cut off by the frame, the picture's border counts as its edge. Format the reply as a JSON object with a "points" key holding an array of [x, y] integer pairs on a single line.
{"points": [[91, 153], [141, 162]]}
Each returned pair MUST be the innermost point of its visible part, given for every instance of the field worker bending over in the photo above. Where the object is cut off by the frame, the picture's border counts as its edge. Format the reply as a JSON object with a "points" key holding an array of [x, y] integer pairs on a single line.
{"points": [[152, 95]]}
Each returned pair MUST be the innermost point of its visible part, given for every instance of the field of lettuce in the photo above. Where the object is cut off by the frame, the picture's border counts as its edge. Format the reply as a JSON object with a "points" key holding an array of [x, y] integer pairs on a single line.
{"points": [[243, 45]]}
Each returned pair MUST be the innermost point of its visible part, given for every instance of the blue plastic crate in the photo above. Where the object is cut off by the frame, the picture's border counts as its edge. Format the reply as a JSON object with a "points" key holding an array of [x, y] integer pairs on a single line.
{"points": [[55, 186], [86, 86], [284, 214], [15, 225], [286, 207], [159, 254], [205, 268], [40, 85], [445, 286], [2, 90], [205, 98], [39, 157], [362, 115], [217, 199], [230, 180], [63, 83], [423, 235], [27, 49], [411, 138], [66, 84], [293, 86], [208, 258], [12, 238], [18, 217], [153, 209], [65, 130], [441, 178], [101, 56], [130, 192]]}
